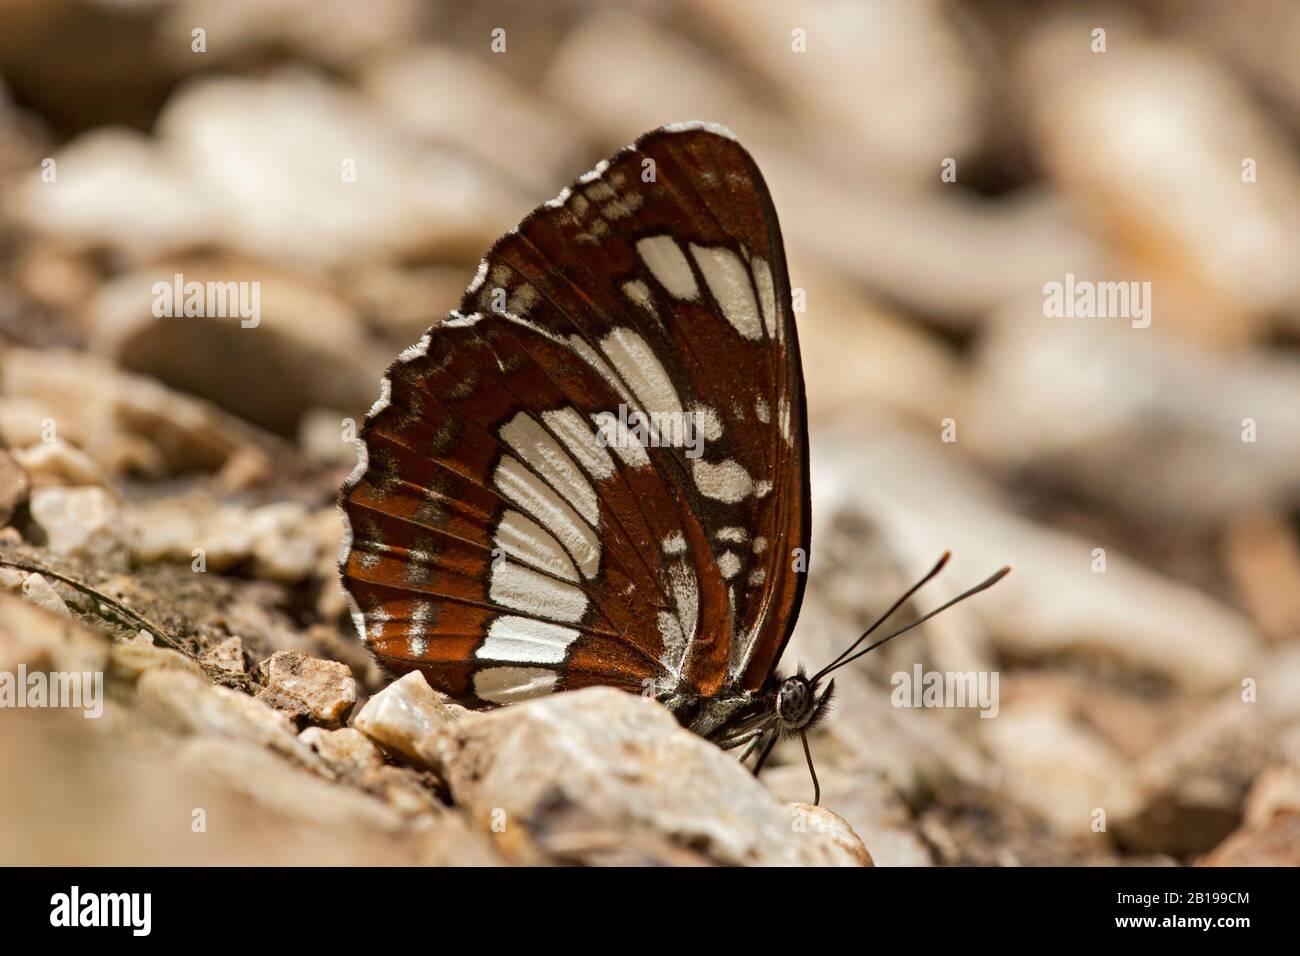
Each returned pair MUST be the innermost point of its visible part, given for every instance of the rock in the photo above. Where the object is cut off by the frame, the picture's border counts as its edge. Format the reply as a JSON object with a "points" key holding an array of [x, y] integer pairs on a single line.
{"points": [[1059, 769], [917, 54], [403, 789], [1275, 791], [13, 486], [1276, 843], [547, 135], [133, 658], [227, 656], [84, 523], [836, 831], [1219, 250], [1053, 605], [403, 717], [1262, 556], [339, 35], [1096, 398], [59, 463], [339, 158], [32, 635], [127, 424], [595, 776], [40, 592], [347, 750], [321, 437], [283, 344], [352, 756], [269, 538], [868, 803], [1191, 790], [288, 790], [868, 230], [291, 707], [182, 702], [325, 688], [116, 189]]}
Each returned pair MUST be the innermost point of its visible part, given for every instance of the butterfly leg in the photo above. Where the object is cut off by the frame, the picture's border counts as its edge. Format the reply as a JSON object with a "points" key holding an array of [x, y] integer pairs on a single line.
{"points": [[754, 739], [772, 738]]}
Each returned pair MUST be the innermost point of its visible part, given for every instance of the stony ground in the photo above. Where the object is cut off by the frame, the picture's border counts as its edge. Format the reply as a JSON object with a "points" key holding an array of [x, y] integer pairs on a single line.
{"points": [[167, 486]]}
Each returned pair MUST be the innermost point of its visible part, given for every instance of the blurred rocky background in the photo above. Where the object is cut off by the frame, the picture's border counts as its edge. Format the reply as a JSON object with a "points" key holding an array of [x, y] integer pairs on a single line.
{"points": [[935, 164]]}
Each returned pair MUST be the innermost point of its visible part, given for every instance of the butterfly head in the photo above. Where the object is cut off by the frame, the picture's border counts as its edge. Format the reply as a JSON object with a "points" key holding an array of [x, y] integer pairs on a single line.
{"points": [[797, 704]]}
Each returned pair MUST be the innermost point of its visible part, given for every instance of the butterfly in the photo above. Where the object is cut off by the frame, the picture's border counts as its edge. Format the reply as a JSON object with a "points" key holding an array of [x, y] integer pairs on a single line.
{"points": [[595, 470]]}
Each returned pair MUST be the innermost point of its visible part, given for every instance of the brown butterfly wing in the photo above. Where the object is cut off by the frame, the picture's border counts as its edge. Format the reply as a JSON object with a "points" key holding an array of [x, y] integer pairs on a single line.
{"points": [[501, 542]]}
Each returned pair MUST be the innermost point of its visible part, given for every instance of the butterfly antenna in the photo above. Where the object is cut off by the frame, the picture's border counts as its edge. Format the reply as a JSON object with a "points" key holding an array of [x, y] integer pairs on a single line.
{"points": [[982, 586], [817, 787], [884, 617]]}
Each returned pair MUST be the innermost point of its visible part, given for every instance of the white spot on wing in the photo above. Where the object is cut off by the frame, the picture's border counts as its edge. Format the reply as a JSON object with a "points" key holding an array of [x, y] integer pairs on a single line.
{"points": [[725, 481], [535, 445], [507, 685], [581, 442], [522, 538], [728, 280], [525, 640], [667, 263], [729, 564], [766, 293], [637, 364], [524, 589], [534, 497]]}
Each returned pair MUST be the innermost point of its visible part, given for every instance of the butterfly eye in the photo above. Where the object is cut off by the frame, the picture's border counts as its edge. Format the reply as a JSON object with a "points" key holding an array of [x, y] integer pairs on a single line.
{"points": [[793, 698]]}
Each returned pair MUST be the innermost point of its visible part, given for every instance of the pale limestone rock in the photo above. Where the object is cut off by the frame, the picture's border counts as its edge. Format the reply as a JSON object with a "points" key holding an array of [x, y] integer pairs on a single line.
{"points": [[60, 463], [1133, 417], [926, 81], [125, 423], [227, 656], [131, 659], [1168, 129], [182, 702], [347, 750], [1053, 604], [271, 536], [83, 523], [1059, 768], [600, 775], [1192, 788], [326, 689], [34, 635], [41, 593], [537, 129], [839, 836], [404, 715], [14, 486], [290, 791]]}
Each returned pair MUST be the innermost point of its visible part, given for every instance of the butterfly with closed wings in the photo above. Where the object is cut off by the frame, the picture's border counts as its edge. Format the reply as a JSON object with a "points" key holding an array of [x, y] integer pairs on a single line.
{"points": [[595, 470]]}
